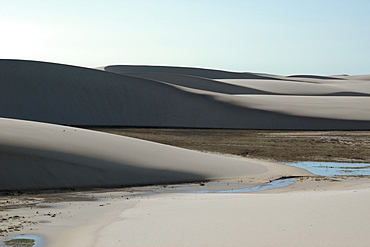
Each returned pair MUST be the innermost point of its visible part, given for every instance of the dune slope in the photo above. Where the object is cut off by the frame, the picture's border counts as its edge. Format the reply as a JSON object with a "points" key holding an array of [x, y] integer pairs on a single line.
{"points": [[199, 83], [199, 72], [45, 156]]}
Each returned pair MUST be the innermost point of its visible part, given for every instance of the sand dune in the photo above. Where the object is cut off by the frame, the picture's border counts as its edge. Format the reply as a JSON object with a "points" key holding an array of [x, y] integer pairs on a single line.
{"points": [[69, 95], [200, 83], [316, 77], [199, 72], [356, 77], [334, 107], [337, 88], [43, 156]]}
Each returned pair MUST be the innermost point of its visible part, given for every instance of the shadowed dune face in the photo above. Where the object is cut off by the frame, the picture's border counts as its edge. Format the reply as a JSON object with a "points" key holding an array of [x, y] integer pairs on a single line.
{"points": [[30, 172], [77, 96]]}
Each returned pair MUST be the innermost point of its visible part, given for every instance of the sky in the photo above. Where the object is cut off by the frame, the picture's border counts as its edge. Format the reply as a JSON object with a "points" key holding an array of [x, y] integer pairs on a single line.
{"points": [[283, 37]]}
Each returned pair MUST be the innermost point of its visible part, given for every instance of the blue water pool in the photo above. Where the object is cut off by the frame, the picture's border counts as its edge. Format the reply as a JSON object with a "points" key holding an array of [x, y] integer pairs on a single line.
{"points": [[331, 169], [266, 186]]}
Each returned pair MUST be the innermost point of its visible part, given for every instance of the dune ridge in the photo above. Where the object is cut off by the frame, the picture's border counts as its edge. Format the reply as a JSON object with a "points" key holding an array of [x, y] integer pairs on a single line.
{"points": [[316, 77], [76, 96], [198, 72], [200, 83], [282, 87], [47, 156]]}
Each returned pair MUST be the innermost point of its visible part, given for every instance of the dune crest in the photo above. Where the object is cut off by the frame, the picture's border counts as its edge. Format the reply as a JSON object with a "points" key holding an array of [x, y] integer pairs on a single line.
{"points": [[198, 72]]}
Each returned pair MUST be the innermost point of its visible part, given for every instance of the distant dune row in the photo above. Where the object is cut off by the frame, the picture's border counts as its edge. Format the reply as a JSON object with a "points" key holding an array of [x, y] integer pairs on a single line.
{"points": [[160, 96]]}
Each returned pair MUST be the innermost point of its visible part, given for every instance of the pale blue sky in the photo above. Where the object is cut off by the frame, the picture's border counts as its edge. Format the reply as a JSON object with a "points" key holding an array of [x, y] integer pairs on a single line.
{"points": [[279, 37]]}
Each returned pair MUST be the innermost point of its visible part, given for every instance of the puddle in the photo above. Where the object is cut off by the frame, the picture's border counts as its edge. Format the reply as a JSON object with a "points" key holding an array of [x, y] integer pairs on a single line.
{"points": [[23, 241], [220, 187], [331, 169], [266, 186]]}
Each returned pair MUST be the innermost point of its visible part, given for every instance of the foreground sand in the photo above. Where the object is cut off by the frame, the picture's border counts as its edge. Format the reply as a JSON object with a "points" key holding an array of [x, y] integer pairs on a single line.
{"points": [[312, 212]]}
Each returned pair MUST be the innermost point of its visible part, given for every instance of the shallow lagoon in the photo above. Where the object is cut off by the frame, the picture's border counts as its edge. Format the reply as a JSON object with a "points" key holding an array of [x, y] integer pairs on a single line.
{"points": [[331, 169]]}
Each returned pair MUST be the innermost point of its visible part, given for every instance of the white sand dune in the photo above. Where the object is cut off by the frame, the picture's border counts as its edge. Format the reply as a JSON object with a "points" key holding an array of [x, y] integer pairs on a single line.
{"points": [[285, 87], [44, 156], [315, 77], [200, 83], [198, 72], [68, 95], [335, 107], [356, 77]]}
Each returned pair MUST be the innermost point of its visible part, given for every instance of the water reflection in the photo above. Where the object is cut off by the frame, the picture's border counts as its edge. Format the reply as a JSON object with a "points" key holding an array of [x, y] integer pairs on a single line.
{"points": [[331, 169], [224, 187], [266, 186]]}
